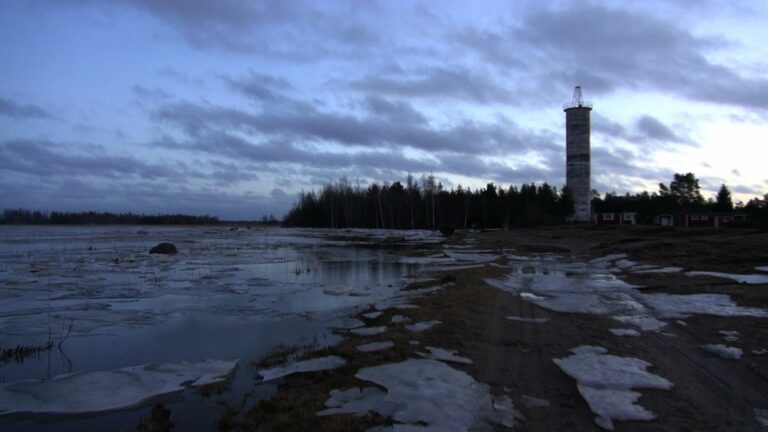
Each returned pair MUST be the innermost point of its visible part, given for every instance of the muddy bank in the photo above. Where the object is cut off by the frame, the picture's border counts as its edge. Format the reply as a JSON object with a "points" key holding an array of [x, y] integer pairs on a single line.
{"points": [[513, 342]]}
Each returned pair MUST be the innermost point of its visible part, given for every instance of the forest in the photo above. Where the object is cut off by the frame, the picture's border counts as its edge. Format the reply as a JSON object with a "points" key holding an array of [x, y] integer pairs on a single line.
{"points": [[426, 204], [23, 216]]}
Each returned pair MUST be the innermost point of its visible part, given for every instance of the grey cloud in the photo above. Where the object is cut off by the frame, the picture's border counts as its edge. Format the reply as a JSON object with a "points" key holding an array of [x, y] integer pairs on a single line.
{"points": [[314, 125], [151, 94], [654, 129], [258, 86], [394, 111], [13, 109], [611, 48], [442, 82], [38, 158]]}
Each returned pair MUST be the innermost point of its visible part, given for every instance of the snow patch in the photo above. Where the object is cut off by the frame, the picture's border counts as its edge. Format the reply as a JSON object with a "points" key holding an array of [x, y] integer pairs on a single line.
{"points": [[624, 332], [605, 381], [428, 395], [355, 400], [730, 335], [444, 355], [421, 326], [724, 351], [526, 319], [372, 315], [531, 402], [368, 331], [99, 391], [659, 270], [311, 365], [762, 268], [397, 319], [375, 346], [740, 278]]}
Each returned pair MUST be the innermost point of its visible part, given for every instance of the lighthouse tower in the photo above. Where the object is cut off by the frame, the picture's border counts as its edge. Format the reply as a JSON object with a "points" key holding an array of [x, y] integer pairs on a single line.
{"points": [[577, 165]]}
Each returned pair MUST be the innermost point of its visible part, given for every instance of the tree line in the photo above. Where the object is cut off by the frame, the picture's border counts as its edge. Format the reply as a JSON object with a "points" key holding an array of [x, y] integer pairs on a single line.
{"points": [[682, 194], [426, 204], [23, 216]]}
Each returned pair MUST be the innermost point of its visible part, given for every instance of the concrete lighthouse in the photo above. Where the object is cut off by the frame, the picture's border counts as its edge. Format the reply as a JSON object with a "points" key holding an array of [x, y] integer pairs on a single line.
{"points": [[577, 164]]}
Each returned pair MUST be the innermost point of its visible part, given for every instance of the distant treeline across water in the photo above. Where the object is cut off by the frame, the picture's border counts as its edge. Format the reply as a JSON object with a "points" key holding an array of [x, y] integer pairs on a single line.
{"points": [[23, 216], [426, 204]]}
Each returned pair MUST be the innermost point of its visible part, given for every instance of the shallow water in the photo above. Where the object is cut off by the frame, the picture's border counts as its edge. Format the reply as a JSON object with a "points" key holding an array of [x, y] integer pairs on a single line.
{"points": [[226, 295]]}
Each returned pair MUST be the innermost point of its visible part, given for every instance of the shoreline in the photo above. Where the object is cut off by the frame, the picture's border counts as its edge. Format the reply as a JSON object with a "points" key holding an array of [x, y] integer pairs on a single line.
{"points": [[516, 358]]}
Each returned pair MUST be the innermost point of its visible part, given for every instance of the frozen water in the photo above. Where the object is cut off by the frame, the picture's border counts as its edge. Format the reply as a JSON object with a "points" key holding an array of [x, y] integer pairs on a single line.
{"points": [[444, 355], [605, 381], [355, 400], [740, 278], [368, 331], [89, 392], [624, 332], [311, 365], [730, 335], [590, 288], [724, 351], [761, 415], [762, 268], [375, 346], [527, 320], [422, 325], [660, 270], [677, 306], [531, 402], [472, 257], [760, 351], [428, 395], [372, 315], [397, 319]]}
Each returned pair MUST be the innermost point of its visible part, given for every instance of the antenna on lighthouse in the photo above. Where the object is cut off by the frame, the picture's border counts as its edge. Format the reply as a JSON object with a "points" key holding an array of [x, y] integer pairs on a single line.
{"points": [[578, 100]]}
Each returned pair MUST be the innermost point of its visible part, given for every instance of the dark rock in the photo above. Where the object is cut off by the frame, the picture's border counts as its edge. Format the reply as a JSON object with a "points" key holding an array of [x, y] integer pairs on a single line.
{"points": [[164, 248], [447, 230]]}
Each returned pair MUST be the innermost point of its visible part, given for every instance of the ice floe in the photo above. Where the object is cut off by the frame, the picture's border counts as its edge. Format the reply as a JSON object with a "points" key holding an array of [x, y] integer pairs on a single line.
{"points": [[397, 319], [428, 395], [471, 257], [372, 315], [98, 391], [368, 331], [658, 270], [444, 355], [624, 332], [375, 346], [605, 381], [311, 365], [740, 278], [355, 400], [762, 268], [422, 325], [724, 351], [761, 351], [531, 402], [527, 319], [730, 335]]}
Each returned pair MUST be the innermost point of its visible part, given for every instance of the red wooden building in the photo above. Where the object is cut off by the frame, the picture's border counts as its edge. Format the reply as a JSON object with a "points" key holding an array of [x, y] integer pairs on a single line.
{"points": [[709, 219], [615, 218]]}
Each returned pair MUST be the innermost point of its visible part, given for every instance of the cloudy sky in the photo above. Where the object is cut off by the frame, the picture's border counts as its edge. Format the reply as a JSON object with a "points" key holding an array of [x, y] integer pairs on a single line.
{"points": [[232, 107]]}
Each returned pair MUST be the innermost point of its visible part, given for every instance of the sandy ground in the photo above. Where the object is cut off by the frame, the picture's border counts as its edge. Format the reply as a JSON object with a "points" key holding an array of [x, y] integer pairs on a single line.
{"points": [[515, 358]]}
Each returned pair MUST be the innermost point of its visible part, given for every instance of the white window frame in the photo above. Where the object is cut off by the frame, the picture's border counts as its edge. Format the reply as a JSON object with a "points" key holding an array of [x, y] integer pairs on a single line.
{"points": [[608, 217]]}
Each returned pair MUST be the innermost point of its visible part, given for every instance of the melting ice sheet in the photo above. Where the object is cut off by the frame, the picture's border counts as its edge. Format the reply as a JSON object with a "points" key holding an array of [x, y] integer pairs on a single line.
{"points": [[311, 365], [89, 392], [605, 381], [740, 278], [591, 288], [425, 395]]}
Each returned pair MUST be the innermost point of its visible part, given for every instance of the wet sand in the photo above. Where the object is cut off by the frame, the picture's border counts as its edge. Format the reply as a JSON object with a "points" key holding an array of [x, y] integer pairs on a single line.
{"points": [[515, 357]]}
